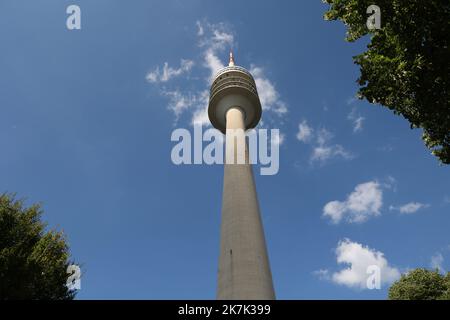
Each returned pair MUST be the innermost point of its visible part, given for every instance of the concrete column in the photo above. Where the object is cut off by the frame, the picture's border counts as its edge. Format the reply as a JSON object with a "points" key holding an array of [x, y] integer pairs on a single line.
{"points": [[244, 271]]}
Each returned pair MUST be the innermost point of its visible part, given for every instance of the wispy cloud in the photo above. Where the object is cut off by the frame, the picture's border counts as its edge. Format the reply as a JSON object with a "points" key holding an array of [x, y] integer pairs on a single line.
{"points": [[437, 261], [354, 116], [277, 139], [200, 30], [305, 132], [410, 207], [390, 183], [214, 41], [322, 148], [200, 115], [446, 199], [356, 119], [322, 153], [168, 72], [320, 140], [322, 274], [269, 96], [180, 101]]}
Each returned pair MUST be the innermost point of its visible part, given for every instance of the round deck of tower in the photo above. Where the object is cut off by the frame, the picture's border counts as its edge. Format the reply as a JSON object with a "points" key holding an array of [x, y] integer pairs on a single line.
{"points": [[234, 86]]}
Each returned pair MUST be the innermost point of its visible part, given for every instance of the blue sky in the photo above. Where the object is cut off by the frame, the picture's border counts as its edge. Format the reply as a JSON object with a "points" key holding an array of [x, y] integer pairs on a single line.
{"points": [[85, 129]]}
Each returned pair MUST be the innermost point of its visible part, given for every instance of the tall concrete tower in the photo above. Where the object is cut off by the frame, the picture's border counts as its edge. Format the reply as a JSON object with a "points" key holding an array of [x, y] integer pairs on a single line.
{"points": [[244, 270]]}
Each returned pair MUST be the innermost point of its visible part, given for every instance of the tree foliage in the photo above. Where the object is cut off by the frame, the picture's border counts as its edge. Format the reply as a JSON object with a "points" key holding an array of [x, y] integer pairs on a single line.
{"points": [[406, 67], [33, 261], [421, 284]]}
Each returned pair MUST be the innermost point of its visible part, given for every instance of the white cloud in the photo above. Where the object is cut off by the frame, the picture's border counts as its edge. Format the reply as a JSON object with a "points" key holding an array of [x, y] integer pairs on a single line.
{"points": [[390, 183], [200, 30], [322, 153], [410, 207], [277, 139], [356, 119], [305, 132], [322, 274], [334, 210], [323, 150], [214, 39], [446, 199], [437, 261], [221, 38], [200, 116], [213, 63], [359, 258], [323, 136], [268, 95], [358, 124], [168, 73], [364, 202], [180, 101]]}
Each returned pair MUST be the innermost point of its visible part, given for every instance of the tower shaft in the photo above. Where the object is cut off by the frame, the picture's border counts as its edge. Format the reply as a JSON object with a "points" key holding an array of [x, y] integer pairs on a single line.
{"points": [[244, 270]]}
